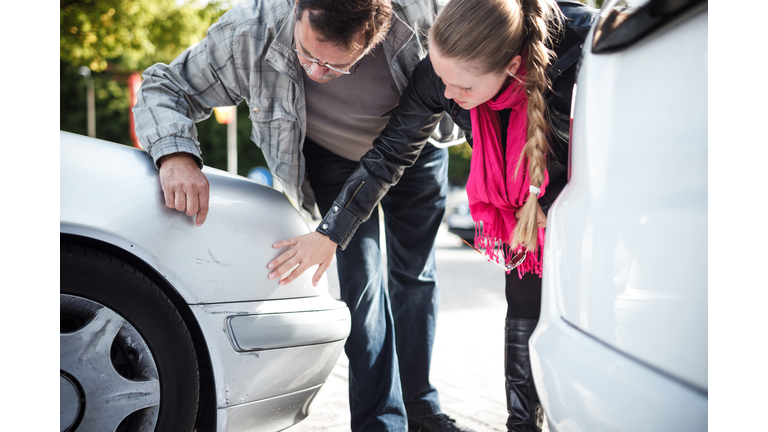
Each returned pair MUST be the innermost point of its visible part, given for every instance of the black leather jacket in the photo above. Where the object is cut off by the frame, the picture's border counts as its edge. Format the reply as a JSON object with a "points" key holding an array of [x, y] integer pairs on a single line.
{"points": [[421, 107]]}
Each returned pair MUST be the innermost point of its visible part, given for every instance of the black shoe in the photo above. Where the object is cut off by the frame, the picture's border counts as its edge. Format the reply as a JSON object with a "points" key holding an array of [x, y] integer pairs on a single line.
{"points": [[435, 423]]}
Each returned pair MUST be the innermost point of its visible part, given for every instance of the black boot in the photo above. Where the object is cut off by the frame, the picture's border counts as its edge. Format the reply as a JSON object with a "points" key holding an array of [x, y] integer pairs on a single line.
{"points": [[525, 413]]}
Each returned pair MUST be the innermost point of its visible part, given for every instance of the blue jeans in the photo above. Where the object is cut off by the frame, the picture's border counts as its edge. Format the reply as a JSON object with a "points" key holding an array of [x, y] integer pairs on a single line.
{"points": [[393, 314]]}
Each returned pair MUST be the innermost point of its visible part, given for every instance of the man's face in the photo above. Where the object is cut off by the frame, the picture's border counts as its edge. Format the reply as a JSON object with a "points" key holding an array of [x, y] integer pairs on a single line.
{"points": [[313, 53]]}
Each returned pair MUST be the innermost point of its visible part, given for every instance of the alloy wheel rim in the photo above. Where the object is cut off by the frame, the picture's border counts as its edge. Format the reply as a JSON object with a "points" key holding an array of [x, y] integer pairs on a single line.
{"points": [[109, 379]]}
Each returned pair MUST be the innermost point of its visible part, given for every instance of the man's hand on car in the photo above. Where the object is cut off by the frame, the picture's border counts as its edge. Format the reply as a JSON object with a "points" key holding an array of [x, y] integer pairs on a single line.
{"points": [[185, 187], [308, 250]]}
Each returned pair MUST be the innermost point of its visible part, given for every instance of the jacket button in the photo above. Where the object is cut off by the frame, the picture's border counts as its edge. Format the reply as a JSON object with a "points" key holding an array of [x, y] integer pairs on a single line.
{"points": [[256, 110], [335, 209], [455, 112], [325, 226]]}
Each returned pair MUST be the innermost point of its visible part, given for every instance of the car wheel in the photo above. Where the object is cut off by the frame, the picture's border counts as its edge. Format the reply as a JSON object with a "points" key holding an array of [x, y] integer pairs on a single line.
{"points": [[126, 357]]}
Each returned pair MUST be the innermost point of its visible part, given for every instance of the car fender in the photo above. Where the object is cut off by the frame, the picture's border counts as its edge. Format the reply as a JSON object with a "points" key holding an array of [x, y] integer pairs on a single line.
{"points": [[112, 193]]}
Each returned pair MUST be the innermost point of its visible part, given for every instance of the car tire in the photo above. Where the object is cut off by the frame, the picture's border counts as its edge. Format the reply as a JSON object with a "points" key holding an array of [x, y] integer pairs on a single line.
{"points": [[127, 360]]}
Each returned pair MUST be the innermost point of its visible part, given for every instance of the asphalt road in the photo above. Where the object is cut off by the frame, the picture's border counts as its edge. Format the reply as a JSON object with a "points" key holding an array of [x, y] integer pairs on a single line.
{"points": [[467, 360]]}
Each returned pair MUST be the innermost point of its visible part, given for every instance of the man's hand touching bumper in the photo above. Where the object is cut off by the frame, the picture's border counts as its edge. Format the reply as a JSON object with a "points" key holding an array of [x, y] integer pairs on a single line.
{"points": [[185, 187], [307, 250]]}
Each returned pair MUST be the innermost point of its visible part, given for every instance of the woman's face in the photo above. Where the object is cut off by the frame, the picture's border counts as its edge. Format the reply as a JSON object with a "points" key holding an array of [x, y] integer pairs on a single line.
{"points": [[464, 84]]}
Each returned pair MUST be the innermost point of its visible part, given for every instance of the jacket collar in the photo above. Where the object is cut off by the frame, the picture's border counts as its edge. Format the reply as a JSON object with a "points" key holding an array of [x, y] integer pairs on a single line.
{"points": [[280, 54], [399, 34]]}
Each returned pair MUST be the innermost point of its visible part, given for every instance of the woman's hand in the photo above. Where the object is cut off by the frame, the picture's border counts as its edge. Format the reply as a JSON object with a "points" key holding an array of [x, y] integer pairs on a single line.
{"points": [[308, 250], [541, 218]]}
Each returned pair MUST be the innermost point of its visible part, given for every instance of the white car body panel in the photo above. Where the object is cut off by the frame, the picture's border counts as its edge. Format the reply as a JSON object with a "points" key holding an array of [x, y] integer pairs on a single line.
{"points": [[621, 343], [220, 271], [185, 254], [586, 386], [264, 374], [267, 415]]}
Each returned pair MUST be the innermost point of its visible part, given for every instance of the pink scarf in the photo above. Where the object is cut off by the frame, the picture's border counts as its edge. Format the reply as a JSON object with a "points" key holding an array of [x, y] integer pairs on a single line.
{"points": [[493, 191]]}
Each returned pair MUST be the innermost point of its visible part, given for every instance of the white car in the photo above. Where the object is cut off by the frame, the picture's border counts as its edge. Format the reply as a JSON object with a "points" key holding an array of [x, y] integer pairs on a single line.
{"points": [[621, 344], [171, 327]]}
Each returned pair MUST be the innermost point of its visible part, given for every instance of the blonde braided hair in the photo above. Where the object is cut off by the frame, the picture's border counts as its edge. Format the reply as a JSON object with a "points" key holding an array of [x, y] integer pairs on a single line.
{"points": [[489, 34], [536, 17]]}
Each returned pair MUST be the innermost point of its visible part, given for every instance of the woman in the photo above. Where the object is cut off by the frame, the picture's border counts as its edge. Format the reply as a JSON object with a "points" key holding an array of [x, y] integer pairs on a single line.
{"points": [[487, 69], [493, 58]]}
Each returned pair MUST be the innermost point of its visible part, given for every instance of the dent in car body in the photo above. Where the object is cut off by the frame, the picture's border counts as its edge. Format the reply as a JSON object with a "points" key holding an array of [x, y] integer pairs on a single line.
{"points": [[244, 220]]}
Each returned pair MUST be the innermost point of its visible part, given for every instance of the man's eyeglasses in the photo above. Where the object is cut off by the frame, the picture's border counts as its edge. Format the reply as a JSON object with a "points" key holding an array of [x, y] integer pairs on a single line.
{"points": [[517, 259], [351, 70]]}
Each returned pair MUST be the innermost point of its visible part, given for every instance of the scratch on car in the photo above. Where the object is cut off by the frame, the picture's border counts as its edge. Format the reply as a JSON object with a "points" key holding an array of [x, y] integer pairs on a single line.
{"points": [[174, 221], [217, 261]]}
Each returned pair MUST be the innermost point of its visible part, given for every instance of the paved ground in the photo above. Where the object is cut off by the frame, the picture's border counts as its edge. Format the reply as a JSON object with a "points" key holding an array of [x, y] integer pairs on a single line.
{"points": [[467, 361]]}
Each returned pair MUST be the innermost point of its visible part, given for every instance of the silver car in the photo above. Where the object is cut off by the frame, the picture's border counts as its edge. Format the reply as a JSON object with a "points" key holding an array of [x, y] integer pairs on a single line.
{"points": [[621, 344], [171, 327]]}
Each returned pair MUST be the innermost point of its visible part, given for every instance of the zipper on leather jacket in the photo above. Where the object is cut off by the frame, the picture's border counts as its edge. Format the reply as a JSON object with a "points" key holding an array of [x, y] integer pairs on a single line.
{"points": [[349, 201]]}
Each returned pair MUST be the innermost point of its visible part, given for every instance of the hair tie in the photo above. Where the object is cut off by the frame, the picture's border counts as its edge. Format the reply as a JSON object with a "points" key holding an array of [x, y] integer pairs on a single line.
{"points": [[534, 190]]}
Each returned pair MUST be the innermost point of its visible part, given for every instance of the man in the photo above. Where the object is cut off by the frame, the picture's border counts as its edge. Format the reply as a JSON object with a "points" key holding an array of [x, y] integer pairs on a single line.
{"points": [[321, 78]]}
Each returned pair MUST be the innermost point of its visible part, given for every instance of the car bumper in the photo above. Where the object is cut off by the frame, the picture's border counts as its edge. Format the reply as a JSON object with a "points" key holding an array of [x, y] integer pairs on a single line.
{"points": [[585, 385], [266, 415], [270, 358]]}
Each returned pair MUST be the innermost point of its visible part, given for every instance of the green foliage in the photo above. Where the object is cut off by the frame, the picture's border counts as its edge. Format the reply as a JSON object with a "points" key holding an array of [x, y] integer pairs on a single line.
{"points": [[458, 164], [112, 119], [116, 37], [213, 143], [131, 34], [111, 104], [594, 3]]}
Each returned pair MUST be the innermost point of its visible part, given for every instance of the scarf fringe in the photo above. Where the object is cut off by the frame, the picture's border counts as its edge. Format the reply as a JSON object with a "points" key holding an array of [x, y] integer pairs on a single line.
{"points": [[496, 249]]}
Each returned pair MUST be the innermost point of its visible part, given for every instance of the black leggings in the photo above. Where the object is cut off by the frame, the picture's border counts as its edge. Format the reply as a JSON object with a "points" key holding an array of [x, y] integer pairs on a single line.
{"points": [[523, 295]]}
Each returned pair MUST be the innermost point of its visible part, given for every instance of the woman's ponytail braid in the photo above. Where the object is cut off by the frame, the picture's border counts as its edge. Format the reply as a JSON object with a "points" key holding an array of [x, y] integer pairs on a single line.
{"points": [[540, 17]]}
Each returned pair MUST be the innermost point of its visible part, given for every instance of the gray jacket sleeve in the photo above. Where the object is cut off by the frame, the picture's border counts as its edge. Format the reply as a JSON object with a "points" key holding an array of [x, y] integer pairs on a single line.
{"points": [[172, 98]]}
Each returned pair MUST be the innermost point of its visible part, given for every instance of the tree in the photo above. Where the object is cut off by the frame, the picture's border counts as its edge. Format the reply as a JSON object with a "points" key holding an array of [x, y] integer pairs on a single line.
{"points": [[115, 38], [130, 35]]}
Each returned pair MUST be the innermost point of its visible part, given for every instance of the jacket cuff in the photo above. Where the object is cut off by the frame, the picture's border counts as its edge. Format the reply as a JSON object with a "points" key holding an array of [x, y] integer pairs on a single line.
{"points": [[339, 224], [173, 144]]}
